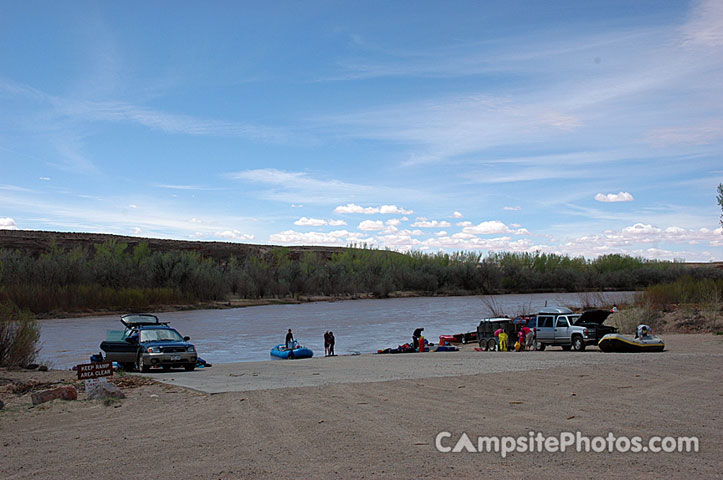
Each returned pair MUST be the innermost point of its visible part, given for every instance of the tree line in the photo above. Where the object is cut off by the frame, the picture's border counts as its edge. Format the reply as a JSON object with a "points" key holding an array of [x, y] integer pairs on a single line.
{"points": [[110, 275]]}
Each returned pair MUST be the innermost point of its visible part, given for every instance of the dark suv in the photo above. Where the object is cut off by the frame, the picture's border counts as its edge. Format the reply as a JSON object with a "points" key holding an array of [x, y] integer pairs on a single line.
{"points": [[146, 342]]}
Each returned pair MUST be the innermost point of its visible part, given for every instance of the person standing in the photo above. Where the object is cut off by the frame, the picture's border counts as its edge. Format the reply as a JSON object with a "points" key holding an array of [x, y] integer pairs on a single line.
{"points": [[415, 338], [332, 341], [289, 339], [521, 341], [528, 336], [326, 343]]}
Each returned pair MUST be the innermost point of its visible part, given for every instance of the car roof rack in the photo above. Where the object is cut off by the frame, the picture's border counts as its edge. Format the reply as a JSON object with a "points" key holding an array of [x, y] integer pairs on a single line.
{"points": [[132, 320]]}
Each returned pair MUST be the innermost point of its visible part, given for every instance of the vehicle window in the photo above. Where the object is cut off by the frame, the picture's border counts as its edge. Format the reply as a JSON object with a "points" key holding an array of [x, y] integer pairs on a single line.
{"points": [[159, 335], [562, 322], [532, 323], [544, 322], [574, 318], [114, 336]]}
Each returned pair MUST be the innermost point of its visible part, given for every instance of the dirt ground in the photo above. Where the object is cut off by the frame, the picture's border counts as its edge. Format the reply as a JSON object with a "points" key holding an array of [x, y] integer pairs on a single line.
{"points": [[379, 429]]}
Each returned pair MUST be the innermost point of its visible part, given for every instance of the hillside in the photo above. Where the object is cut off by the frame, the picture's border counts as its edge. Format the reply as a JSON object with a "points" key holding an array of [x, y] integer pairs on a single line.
{"points": [[38, 242]]}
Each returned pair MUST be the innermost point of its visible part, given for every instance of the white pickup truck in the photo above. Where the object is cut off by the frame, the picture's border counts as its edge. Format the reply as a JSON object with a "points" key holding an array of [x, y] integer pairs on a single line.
{"points": [[560, 326]]}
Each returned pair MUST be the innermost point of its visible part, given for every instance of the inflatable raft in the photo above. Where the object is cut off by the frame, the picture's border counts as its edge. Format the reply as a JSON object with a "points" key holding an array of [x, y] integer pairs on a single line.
{"points": [[298, 351], [614, 342]]}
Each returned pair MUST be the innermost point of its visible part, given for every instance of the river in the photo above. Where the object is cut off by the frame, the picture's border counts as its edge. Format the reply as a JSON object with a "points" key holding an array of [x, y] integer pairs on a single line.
{"points": [[247, 334]]}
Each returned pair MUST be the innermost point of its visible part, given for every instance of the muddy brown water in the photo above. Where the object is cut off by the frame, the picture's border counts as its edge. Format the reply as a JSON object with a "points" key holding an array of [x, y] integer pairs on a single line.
{"points": [[247, 334]]}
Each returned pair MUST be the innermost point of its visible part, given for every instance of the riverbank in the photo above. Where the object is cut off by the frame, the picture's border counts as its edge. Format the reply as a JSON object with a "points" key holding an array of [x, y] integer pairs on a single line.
{"points": [[381, 429], [584, 297]]}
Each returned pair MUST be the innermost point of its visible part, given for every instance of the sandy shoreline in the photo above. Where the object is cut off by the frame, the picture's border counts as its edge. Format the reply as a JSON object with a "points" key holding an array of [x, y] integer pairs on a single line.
{"points": [[385, 428]]}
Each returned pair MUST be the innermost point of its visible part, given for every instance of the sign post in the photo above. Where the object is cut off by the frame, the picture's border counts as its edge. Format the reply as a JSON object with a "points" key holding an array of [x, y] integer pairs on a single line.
{"points": [[94, 373]]}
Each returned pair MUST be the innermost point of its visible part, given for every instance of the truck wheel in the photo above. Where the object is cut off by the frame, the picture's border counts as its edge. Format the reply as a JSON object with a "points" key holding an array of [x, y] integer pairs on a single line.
{"points": [[541, 347], [578, 344], [189, 367], [566, 347], [491, 345], [140, 366], [483, 344]]}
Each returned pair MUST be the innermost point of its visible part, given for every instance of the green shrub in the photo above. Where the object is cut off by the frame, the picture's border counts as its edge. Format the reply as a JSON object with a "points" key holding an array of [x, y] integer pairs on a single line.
{"points": [[19, 335]]}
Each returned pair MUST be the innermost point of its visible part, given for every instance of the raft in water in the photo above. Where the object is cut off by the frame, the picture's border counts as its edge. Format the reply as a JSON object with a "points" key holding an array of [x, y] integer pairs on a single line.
{"points": [[298, 351]]}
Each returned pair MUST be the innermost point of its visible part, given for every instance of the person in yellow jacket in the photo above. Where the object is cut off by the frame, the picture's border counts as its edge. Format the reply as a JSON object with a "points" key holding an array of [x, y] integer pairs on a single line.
{"points": [[503, 341]]}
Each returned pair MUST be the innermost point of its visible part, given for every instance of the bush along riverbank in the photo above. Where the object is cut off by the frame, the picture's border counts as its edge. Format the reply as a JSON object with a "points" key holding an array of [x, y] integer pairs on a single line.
{"points": [[112, 276]]}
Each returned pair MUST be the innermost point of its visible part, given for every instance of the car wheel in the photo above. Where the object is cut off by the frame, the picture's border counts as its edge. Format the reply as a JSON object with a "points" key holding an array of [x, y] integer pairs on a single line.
{"points": [[578, 344], [492, 345], [189, 367], [140, 366], [166, 367]]}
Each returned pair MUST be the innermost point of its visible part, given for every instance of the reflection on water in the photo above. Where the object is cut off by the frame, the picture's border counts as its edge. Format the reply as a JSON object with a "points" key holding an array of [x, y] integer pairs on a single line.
{"points": [[247, 334]]}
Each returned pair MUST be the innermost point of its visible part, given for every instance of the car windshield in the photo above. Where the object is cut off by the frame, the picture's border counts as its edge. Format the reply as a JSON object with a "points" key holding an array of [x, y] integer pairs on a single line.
{"points": [[160, 335]]}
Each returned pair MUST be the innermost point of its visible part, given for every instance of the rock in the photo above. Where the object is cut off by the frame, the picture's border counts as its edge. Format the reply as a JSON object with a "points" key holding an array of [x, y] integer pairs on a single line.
{"points": [[104, 390], [43, 368], [31, 366], [67, 392]]}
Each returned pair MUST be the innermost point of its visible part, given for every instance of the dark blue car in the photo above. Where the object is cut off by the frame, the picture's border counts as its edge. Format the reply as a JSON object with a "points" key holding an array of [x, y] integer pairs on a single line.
{"points": [[146, 343]]}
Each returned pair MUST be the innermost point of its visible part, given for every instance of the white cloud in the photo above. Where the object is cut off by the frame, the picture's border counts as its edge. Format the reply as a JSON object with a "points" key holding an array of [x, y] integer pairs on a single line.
{"points": [[457, 214], [337, 223], [353, 208], [628, 240], [184, 187], [488, 228], [464, 224], [470, 242], [431, 224], [7, 223], [335, 238], [393, 209], [234, 235], [371, 225], [393, 222], [614, 197], [514, 209], [705, 25], [132, 206], [384, 209], [45, 179], [641, 229], [313, 222]]}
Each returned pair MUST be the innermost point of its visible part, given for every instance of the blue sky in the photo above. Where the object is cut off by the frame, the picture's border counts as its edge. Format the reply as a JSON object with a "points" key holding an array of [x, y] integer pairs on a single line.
{"points": [[581, 128]]}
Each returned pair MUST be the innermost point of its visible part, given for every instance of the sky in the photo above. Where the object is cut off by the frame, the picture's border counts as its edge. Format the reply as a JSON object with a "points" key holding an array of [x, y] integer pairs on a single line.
{"points": [[577, 128]]}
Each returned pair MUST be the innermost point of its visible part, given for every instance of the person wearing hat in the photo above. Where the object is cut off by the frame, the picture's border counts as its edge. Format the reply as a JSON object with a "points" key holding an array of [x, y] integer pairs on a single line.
{"points": [[415, 338]]}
